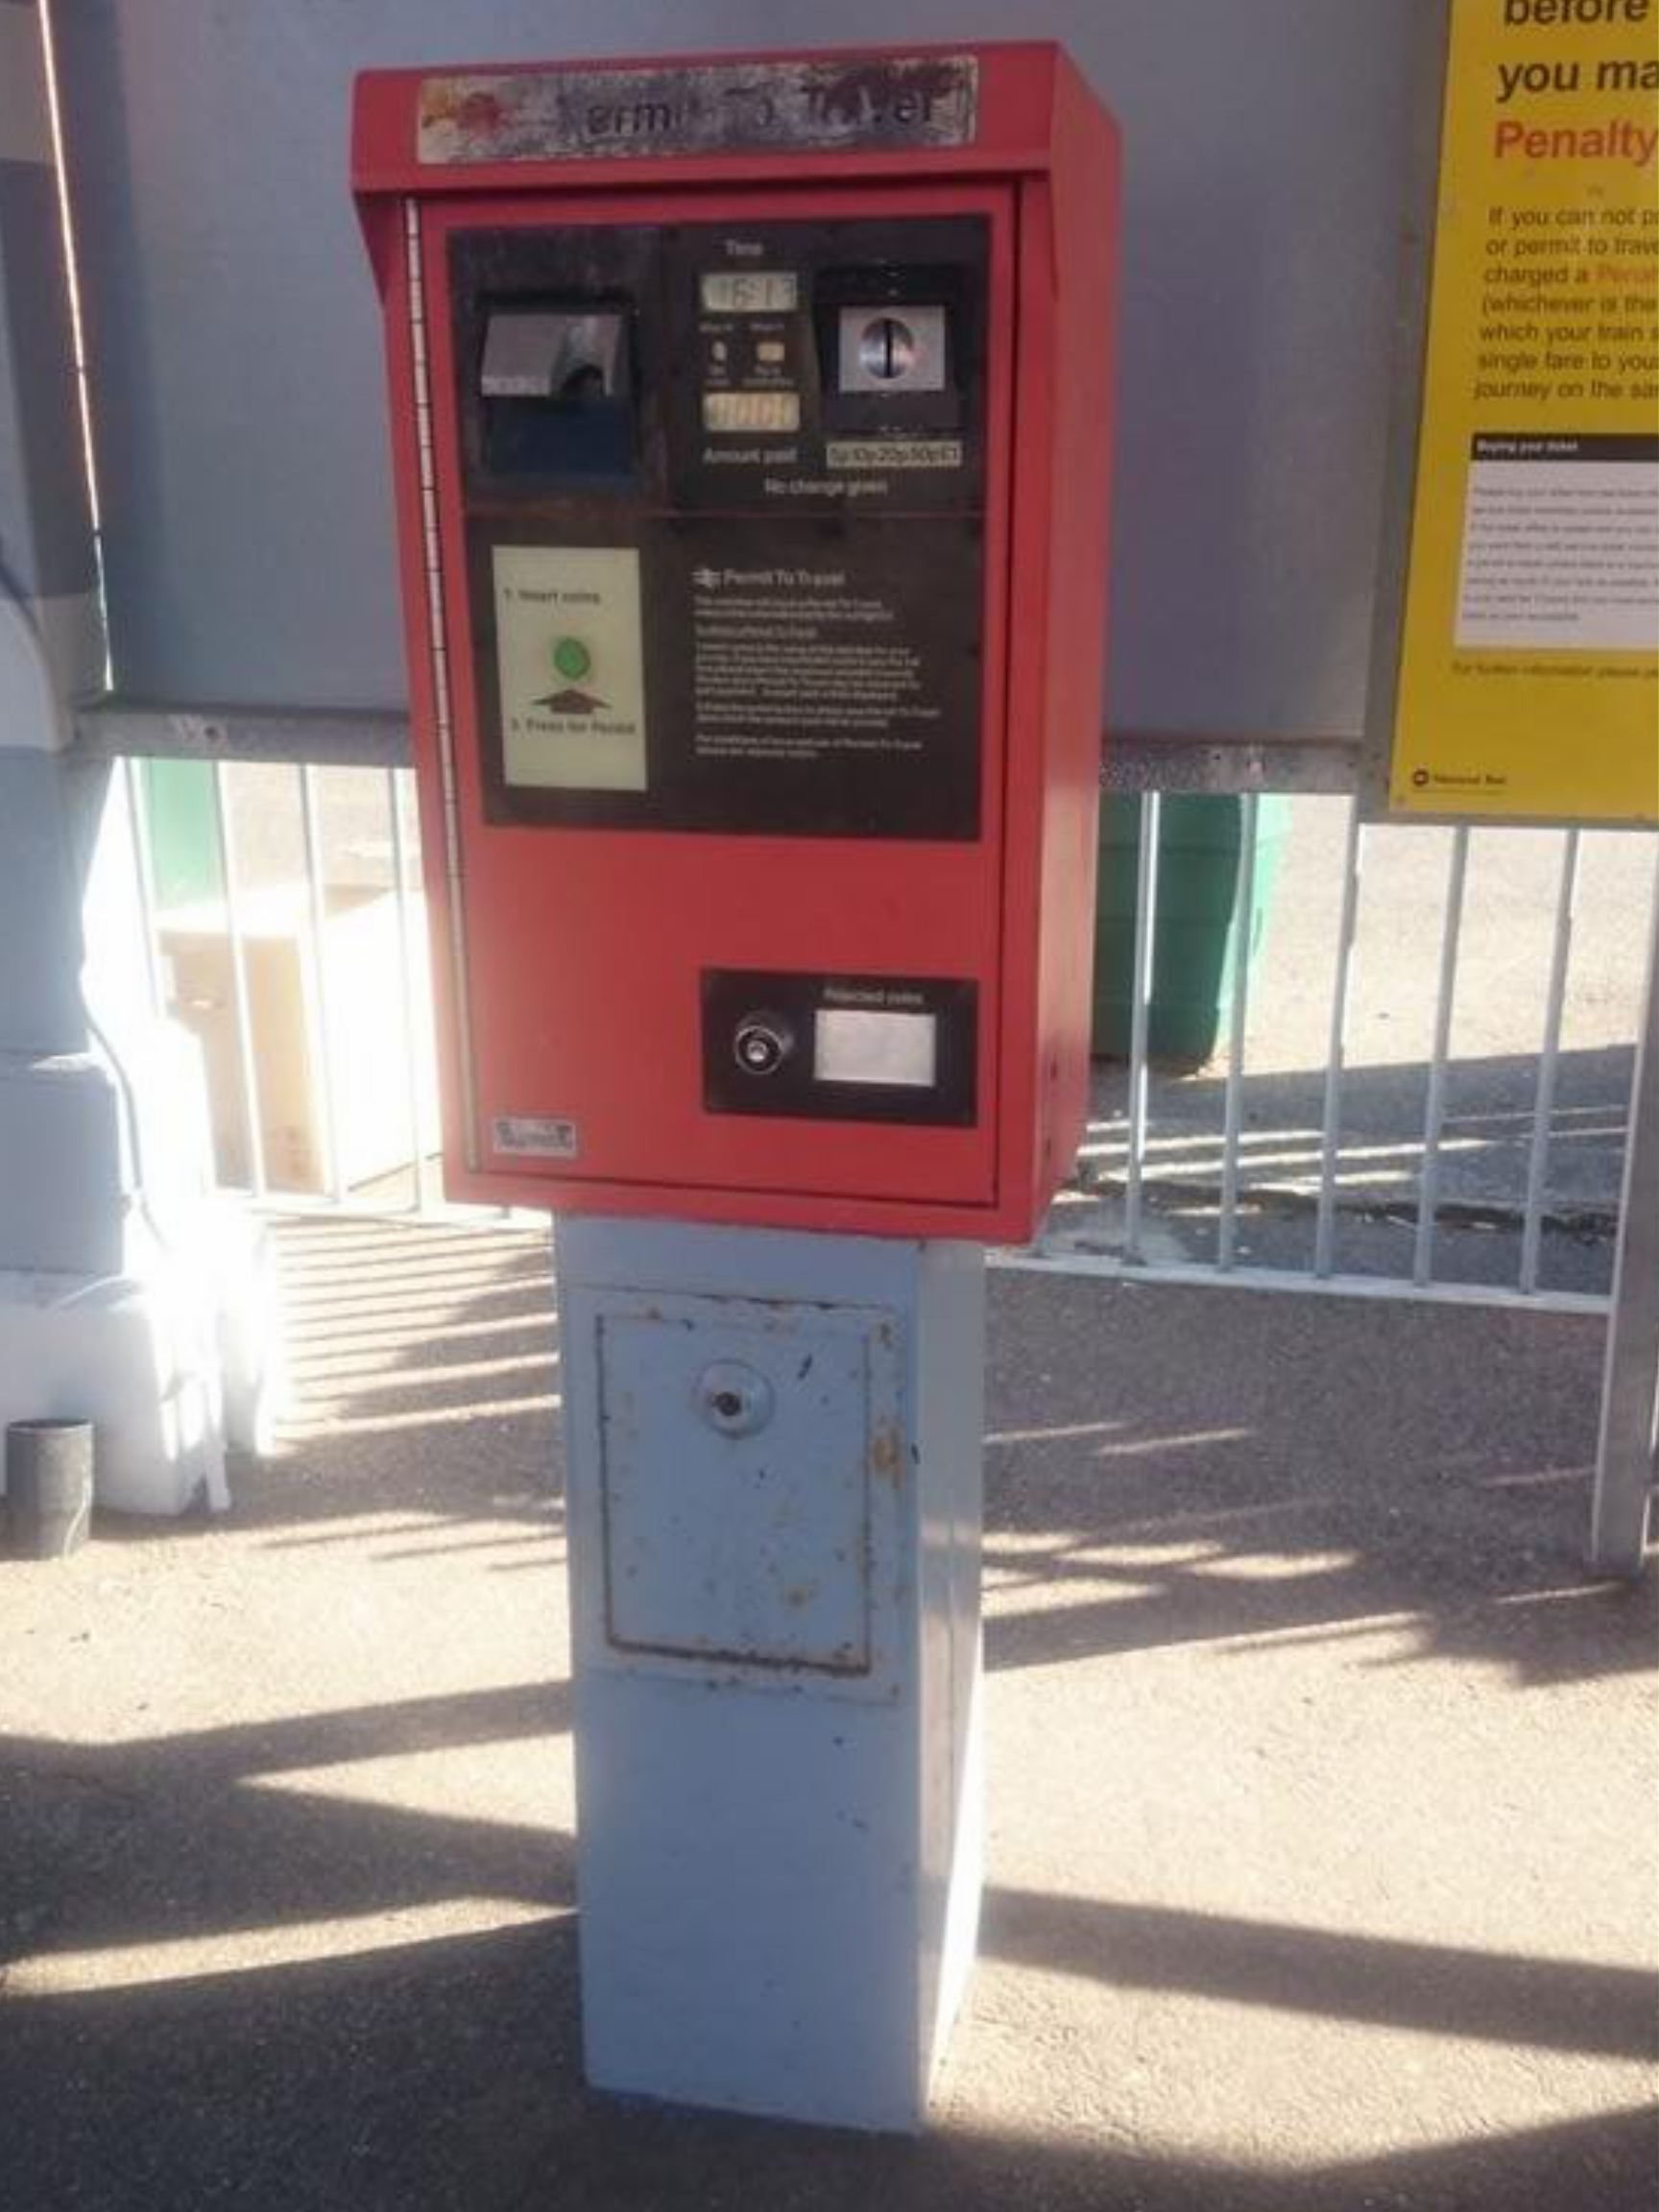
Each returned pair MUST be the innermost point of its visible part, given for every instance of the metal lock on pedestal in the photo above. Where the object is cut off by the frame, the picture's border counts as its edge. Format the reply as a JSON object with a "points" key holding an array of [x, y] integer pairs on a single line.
{"points": [[734, 1398]]}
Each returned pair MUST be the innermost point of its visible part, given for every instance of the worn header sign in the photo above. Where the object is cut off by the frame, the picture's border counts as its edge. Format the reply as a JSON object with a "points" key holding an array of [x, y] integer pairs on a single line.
{"points": [[1529, 682], [707, 107]]}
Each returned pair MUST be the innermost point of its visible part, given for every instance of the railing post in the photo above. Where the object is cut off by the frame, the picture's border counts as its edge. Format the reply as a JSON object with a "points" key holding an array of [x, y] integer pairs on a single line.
{"points": [[1624, 1459]]}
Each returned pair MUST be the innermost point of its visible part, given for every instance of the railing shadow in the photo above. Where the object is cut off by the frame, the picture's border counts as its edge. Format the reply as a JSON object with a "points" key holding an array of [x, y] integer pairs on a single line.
{"points": [[1484, 1166], [403, 1338], [1213, 1466], [446, 2071], [247, 1965]]}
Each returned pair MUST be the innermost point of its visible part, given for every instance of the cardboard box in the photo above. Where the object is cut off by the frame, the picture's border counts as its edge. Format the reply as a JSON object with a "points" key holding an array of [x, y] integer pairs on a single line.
{"points": [[346, 1023]]}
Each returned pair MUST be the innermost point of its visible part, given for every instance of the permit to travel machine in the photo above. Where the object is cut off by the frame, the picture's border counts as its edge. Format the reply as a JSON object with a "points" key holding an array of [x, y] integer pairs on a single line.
{"points": [[751, 421]]}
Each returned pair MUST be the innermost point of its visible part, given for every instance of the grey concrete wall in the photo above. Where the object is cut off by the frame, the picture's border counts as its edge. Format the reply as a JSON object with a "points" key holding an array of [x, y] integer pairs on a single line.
{"points": [[48, 567], [61, 1196], [238, 382]]}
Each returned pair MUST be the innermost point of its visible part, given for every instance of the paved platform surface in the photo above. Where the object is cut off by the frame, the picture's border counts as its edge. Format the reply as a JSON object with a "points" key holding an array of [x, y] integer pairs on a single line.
{"points": [[1324, 1834]]}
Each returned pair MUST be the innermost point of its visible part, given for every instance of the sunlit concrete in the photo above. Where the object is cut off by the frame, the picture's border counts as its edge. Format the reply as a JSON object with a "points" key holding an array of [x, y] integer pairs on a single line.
{"points": [[1323, 1785]]}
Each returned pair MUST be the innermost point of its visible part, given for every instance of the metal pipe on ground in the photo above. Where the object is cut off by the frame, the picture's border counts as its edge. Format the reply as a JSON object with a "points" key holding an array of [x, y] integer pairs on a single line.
{"points": [[48, 1487]]}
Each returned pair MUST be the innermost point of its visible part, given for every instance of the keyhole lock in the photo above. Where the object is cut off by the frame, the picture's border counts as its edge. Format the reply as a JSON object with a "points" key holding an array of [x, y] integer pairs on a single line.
{"points": [[762, 1043], [887, 348], [734, 1398]]}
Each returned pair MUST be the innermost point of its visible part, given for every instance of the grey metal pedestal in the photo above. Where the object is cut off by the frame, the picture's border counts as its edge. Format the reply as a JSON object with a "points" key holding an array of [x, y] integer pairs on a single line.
{"points": [[775, 1464]]}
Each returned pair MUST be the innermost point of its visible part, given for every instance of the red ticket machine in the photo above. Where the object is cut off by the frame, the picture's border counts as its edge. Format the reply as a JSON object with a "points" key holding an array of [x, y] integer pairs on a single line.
{"points": [[751, 423]]}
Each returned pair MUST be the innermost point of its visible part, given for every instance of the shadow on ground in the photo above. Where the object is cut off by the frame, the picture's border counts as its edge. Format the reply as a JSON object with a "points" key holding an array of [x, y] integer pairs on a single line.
{"points": [[1166, 1466], [1484, 1168], [445, 2072], [1173, 1465]]}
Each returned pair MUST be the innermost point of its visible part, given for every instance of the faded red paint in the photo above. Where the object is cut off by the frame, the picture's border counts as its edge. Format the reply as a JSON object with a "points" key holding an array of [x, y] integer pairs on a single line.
{"points": [[1013, 911]]}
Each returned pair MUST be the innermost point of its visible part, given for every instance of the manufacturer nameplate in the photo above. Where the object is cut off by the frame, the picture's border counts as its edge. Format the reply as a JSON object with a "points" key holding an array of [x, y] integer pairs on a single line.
{"points": [[533, 1137], [712, 108]]}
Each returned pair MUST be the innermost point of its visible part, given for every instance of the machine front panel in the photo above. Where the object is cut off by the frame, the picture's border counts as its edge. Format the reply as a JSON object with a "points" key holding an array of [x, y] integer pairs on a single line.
{"points": [[736, 473], [724, 505]]}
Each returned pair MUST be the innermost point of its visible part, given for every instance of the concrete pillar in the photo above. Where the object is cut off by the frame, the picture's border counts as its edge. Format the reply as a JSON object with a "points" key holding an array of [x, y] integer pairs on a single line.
{"points": [[98, 1319]]}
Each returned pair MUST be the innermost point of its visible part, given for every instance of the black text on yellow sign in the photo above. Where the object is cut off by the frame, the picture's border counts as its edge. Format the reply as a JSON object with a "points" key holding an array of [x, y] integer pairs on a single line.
{"points": [[1528, 680]]}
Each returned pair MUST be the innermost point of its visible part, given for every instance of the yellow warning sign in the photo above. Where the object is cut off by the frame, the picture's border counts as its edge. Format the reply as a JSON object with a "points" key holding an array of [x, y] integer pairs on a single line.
{"points": [[1528, 680]]}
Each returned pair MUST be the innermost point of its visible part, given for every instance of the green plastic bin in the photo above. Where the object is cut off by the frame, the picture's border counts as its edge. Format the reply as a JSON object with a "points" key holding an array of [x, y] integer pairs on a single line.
{"points": [[184, 834], [1200, 859]]}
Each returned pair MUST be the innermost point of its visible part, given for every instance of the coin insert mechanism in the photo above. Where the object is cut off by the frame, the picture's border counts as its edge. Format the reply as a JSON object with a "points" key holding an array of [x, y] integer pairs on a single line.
{"points": [[893, 348]]}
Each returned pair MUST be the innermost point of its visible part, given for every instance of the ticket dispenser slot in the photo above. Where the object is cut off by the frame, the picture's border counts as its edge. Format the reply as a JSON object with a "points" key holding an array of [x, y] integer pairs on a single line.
{"points": [[555, 387]]}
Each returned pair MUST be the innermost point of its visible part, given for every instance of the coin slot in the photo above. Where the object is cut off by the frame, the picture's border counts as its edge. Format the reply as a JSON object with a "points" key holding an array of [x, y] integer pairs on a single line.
{"points": [[894, 348]]}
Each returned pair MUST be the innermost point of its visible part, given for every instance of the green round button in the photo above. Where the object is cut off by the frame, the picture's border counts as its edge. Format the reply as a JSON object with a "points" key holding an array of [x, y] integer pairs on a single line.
{"points": [[572, 659]]}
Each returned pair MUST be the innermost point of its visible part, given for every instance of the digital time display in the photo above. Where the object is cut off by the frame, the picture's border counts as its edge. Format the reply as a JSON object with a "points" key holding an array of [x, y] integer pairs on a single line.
{"points": [[749, 291]]}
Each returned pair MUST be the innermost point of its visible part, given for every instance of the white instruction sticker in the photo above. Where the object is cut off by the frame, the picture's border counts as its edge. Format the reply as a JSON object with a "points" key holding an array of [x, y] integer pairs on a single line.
{"points": [[570, 655]]}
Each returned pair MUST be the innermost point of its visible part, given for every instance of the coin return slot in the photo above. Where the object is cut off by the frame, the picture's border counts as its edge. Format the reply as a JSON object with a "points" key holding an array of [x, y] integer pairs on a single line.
{"points": [[854, 1045]]}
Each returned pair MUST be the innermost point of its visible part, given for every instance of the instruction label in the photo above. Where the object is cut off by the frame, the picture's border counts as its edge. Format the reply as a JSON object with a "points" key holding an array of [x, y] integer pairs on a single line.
{"points": [[832, 679], [790, 664], [1530, 666], [571, 661], [1561, 543]]}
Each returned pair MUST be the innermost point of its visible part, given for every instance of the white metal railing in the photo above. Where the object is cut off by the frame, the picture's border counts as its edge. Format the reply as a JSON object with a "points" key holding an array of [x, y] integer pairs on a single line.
{"points": [[1140, 1246], [415, 1188], [1135, 1250]]}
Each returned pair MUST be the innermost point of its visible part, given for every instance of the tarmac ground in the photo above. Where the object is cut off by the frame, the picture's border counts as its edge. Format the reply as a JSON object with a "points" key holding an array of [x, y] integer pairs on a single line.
{"points": [[1324, 1821]]}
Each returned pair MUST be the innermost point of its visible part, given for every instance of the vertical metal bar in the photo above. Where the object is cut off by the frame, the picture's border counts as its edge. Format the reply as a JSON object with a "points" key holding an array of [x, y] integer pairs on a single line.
{"points": [[442, 721], [1624, 1455], [1435, 1115], [1549, 1063], [144, 878], [1226, 1232], [334, 1176], [418, 1192], [1146, 955], [226, 838], [1341, 989]]}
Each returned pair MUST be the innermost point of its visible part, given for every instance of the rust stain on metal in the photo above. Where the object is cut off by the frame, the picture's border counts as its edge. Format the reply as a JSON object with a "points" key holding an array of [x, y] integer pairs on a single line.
{"points": [[603, 112], [886, 1452]]}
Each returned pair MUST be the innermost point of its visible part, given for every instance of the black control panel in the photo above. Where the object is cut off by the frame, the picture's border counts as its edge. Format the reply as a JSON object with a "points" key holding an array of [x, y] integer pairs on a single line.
{"points": [[840, 1047], [725, 493]]}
